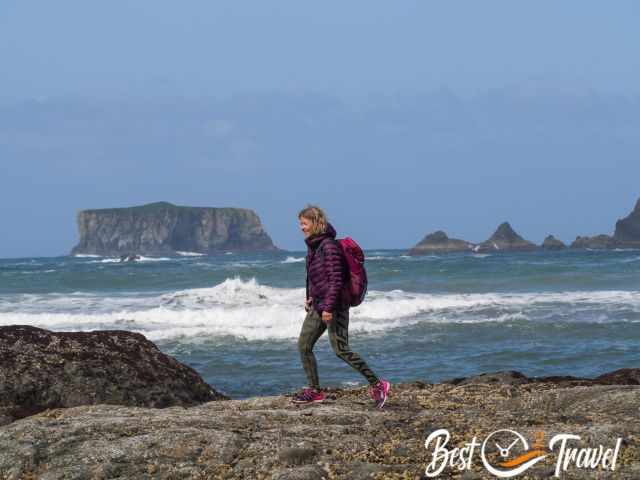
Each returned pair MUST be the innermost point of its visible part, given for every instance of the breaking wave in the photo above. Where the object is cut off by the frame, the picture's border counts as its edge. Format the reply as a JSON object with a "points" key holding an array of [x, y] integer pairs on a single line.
{"points": [[293, 260], [248, 309]]}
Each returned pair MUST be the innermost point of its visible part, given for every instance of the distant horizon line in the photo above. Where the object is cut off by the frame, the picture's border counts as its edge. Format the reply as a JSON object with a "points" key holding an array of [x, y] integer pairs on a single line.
{"points": [[515, 90], [445, 254]]}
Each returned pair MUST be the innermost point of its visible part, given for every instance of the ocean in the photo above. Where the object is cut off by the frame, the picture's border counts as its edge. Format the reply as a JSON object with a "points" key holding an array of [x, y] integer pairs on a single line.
{"points": [[235, 317]]}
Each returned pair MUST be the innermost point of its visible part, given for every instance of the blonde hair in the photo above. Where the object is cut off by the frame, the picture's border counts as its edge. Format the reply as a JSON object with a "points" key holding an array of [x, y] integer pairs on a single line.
{"points": [[317, 217]]}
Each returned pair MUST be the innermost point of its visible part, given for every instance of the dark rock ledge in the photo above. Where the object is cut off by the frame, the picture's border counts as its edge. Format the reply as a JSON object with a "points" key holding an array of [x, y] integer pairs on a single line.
{"points": [[40, 369]]}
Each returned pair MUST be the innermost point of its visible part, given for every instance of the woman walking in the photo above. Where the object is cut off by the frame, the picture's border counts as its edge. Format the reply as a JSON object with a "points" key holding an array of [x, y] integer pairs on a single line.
{"points": [[327, 307]]}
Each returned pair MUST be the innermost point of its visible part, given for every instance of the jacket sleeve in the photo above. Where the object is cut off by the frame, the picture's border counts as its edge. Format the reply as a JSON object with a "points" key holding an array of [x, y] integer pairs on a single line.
{"points": [[333, 266]]}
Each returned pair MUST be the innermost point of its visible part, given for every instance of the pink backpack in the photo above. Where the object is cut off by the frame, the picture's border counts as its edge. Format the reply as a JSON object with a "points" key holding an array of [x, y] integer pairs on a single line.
{"points": [[354, 257]]}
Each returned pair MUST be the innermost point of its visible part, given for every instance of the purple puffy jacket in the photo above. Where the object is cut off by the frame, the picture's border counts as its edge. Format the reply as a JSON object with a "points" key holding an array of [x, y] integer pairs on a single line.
{"points": [[326, 271]]}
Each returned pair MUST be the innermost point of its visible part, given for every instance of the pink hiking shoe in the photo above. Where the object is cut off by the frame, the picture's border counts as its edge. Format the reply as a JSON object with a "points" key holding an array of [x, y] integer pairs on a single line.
{"points": [[380, 392], [309, 395]]}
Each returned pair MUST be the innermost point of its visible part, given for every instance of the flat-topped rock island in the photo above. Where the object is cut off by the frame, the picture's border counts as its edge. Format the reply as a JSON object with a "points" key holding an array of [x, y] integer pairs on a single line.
{"points": [[163, 228]]}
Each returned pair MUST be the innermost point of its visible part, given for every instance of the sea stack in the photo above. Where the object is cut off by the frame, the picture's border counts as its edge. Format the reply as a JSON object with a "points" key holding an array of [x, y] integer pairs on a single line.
{"points": [[507, 240], [627, 232], [597, 242], [552, 243], [439, 242], [163, 228]]}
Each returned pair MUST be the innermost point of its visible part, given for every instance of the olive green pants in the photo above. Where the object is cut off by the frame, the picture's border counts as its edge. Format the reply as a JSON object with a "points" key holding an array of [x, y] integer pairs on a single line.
{"points": [[312, 328]]}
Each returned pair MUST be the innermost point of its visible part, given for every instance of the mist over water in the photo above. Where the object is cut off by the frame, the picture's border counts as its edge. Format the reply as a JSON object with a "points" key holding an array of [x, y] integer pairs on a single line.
{"points": [[235, 318]]}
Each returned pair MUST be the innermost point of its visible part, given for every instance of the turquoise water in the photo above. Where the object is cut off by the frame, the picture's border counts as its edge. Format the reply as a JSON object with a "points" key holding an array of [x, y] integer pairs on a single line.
{"points": [[235, 317]]}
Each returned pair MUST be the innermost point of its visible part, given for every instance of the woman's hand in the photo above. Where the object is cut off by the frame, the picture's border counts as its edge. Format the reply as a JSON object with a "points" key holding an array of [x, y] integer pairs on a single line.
{"points": [[307, 304], [327, 317]]}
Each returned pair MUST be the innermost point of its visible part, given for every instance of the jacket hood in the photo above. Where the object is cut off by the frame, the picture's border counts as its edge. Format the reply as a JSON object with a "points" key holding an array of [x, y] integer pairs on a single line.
{"points": [[314, 240]]}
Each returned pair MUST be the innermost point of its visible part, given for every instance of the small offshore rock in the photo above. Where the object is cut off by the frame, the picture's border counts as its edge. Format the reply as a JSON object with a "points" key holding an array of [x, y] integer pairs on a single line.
{"points": [[505, 239], [552, 243], [439, 242], [597, 242]]}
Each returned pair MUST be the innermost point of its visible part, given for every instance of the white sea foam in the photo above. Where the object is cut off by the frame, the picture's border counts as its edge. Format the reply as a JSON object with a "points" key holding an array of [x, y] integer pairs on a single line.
{"points": [[293, 260], [234, 265], [106, 260], [86, 255], [253, 311], [247, 264], [141, 259], [399, 257], [190, 254], [630, 260]]}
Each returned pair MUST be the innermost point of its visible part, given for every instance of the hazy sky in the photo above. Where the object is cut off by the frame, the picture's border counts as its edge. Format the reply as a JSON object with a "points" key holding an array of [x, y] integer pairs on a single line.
{"points": [[144, 47], [458, 115]]}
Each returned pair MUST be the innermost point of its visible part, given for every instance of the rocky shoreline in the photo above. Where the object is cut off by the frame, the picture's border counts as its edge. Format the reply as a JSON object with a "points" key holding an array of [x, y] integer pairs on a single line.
{"points": [[110, 405], [343, 438]]}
